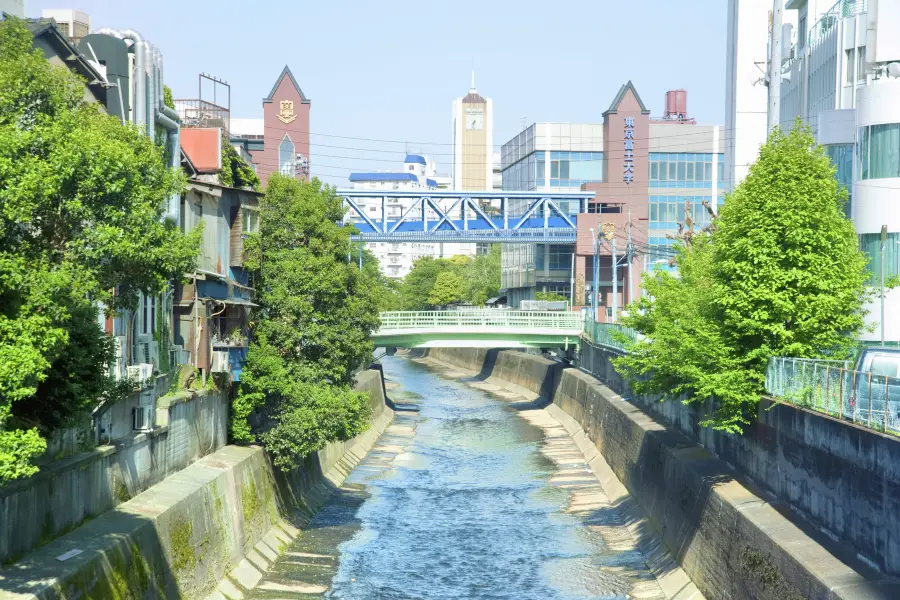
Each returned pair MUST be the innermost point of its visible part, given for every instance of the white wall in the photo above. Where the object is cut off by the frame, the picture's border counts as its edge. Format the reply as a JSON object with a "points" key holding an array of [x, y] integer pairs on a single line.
{"points": [[876, 202], [746, 100]]}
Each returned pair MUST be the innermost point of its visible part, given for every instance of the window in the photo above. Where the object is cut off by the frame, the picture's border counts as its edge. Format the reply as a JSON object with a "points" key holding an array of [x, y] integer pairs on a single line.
{"points": [[884, 365], [879, 151], [801, 32], [842, 157], [286, 157], [870, 243], [849, 65], [147, 309], [250, 220], [861, 63], [561, 257]]}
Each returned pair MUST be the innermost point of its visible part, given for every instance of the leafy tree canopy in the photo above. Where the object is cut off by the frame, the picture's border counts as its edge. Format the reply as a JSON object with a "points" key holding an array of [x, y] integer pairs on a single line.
{"points": [[316, 313], [448, 288], [82, 199], [781, 274], [480, 279], [550, 297]]}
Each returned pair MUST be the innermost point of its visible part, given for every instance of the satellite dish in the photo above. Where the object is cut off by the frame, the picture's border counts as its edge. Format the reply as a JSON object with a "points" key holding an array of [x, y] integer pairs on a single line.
{"points": [[893, 69]]}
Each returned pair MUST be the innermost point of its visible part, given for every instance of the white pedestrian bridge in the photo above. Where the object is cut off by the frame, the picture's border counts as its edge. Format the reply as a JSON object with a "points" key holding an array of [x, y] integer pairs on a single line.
{"points": [[486, 328]]}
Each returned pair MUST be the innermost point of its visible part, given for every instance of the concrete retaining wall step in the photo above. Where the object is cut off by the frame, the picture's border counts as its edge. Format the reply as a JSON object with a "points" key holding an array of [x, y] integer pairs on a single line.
{"points": [[209, 530], [728, 538]]}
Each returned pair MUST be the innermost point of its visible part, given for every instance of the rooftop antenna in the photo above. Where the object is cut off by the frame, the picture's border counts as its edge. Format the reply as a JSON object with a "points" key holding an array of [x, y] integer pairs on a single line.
{"points": [[472, 89]]}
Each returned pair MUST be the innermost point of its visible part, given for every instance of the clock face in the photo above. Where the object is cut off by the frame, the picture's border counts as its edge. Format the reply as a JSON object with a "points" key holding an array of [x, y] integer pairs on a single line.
{"points": [[474, 119]]}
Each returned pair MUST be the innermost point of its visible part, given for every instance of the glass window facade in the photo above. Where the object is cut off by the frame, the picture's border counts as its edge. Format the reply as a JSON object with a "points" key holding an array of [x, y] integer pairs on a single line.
{"points": [[870, 243], [685, 169], [567, 169], [879, 151], [571, 169], [842, 157], [667, 211], [559, 257]]}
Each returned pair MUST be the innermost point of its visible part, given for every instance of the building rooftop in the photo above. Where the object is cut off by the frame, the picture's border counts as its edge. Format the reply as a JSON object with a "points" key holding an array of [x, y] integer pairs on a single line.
{"points": [[415, 158], [383, 177], [242, 127]]}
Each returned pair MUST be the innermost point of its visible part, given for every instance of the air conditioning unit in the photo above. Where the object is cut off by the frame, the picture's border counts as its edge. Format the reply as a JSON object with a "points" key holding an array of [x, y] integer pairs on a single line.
{"points": [[178, 356], [141, 418], [147, 350], [146, 371], [134, 374], [220, 362]]}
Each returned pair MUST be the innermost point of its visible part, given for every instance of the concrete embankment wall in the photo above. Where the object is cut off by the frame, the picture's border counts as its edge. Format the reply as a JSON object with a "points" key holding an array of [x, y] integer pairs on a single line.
{"points": [[843, 478], [729, 539], [68, 492], [206, 531]]}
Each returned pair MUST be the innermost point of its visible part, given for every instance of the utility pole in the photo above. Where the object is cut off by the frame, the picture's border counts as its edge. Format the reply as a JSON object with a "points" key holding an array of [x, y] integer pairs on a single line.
{"points": [[572, 283], [629, 256], [595, 297], [774, 115], [360, 255], [615, 294], [883, 240]]}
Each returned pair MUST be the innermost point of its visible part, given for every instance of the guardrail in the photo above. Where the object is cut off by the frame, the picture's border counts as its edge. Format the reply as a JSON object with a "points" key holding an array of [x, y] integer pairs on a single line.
{"points": [[834, 388], [516, 319], [608, 334]]}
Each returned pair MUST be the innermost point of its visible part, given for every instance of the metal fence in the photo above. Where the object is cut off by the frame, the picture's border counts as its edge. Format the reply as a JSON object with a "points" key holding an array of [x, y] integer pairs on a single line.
{"points": [[834, 388], [608, 334], [841, 10], [507, 319]]}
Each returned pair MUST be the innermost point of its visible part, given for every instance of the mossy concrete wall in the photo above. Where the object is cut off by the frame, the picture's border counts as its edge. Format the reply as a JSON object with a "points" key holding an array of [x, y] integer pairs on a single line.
{"points": [[206, 531], [842, 477], [65, 494], [730, 540]]}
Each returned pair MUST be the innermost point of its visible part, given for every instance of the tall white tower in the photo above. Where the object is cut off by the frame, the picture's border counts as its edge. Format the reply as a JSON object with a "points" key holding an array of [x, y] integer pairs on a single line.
{"points": [[473, 139]]}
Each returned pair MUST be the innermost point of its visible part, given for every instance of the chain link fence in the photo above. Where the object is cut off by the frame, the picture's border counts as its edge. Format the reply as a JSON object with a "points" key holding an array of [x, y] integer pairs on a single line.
{"points": [[834, 388]]}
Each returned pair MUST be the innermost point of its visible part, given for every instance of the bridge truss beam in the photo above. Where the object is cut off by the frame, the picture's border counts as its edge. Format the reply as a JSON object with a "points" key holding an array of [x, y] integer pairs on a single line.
{"points": [[451, 216]]}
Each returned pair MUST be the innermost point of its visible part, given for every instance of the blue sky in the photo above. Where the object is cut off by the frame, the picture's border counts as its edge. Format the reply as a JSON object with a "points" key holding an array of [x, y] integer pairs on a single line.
{"points": [[389, 71]]}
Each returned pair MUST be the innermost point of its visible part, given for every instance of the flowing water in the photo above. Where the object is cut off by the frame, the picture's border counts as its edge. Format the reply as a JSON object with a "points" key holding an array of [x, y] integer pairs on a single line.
{"points": [[466, 499]]}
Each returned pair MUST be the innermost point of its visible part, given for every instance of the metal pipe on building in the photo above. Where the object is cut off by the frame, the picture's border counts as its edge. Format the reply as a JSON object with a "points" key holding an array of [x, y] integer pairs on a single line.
{"points": [[139, 109]]}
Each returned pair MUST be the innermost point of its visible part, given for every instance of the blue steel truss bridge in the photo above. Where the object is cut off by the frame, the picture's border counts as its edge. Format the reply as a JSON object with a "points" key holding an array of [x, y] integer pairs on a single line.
{"points": [[458, 216]]}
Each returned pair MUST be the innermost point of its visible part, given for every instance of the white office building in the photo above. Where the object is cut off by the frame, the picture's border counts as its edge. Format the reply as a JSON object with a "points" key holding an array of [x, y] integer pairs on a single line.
{"points": [[841, 76], [419, 173]]}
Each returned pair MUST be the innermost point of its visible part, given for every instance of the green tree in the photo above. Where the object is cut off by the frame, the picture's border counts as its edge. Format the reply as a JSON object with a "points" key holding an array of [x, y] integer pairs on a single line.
{"points": [[82, 199], [550, 297], [484, 276], [449, 287], [235, 170], [419, 281], [780, 275], [317, 311]]}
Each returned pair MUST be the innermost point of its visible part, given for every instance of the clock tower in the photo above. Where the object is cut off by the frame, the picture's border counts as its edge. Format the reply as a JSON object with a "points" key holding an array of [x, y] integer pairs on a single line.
{"points": [[473, 124]]}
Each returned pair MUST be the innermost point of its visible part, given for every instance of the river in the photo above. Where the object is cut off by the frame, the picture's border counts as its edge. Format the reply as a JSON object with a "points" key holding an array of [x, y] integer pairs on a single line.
{"points": [[480, 495]]}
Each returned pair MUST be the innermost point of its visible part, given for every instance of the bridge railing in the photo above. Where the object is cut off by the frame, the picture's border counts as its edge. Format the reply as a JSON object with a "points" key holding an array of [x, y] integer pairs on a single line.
{"points": [[608, 334], [525, 320]]}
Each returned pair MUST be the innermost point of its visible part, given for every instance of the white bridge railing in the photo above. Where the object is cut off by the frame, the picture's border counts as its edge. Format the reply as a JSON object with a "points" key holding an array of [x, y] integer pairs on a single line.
{"points": [[491, 319]]}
